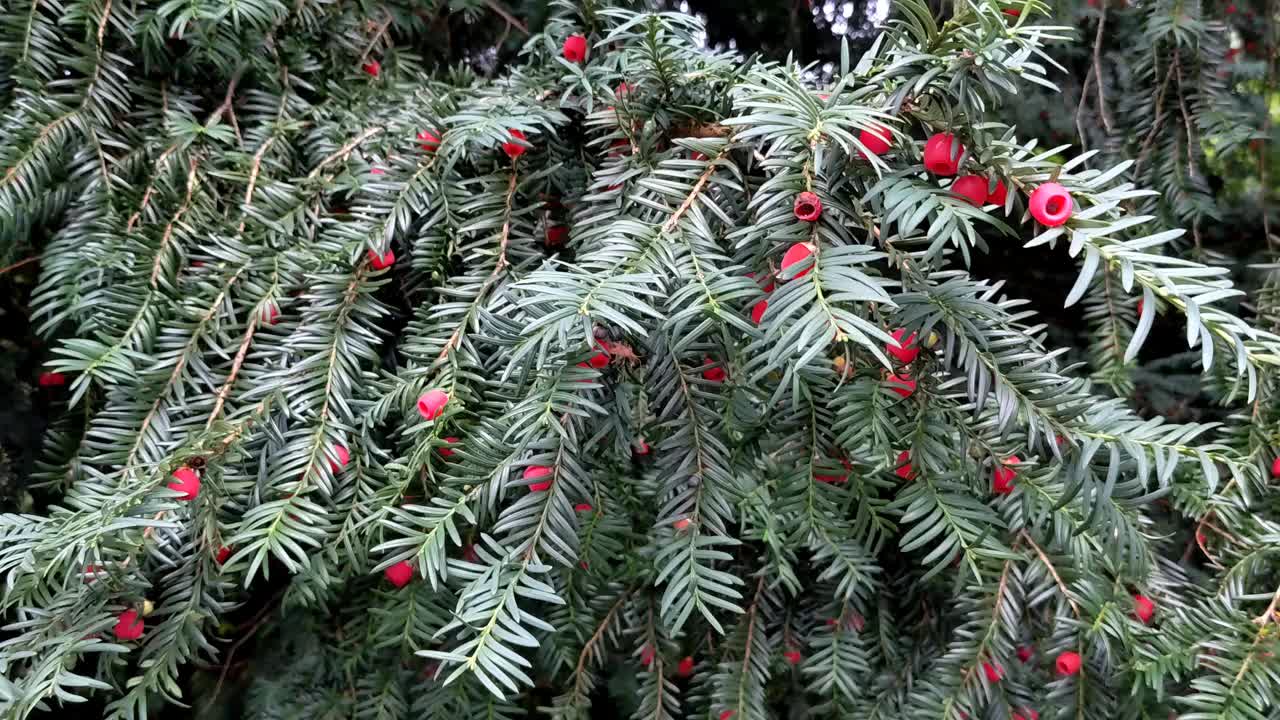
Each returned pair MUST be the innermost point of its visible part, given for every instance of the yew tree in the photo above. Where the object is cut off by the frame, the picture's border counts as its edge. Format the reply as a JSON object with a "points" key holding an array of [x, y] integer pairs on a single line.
{"points": [[622, 375]]}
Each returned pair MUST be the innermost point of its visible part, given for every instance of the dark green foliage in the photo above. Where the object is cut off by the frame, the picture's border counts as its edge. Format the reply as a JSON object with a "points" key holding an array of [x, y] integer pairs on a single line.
{"points": [[205, 188]]}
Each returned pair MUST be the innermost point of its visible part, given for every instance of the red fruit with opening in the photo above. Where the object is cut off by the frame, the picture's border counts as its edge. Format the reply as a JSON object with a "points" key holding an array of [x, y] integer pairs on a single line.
{"points": [[432, 403], [270, 314], [52, 379], [575, 48], [187, 482], [876, 139], [1143, 608], [904, 469], [797, 254], [902, 385], [514, 149], [399, 574], [1002, 477], [381, 262], [906, 350], [429, 141], [942, 154], [713, 373], [129, 625], [998, 195], [757, 311], [341, 456], [807, 207], [536, 472], [1050, 204], [972, 188], [1068, 663]]}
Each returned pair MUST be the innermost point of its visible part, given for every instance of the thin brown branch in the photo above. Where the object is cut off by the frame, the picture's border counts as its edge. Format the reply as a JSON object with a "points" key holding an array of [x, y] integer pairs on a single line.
{"points": [[254, 169], [235, 370], [587, 649], [1155, 124], [1097, 70], [1084, 95], [20, 263], [674, 220], [1192, 170], [1052, 571], [506, 15], [168, 229], [344, 150], [377, 35]]}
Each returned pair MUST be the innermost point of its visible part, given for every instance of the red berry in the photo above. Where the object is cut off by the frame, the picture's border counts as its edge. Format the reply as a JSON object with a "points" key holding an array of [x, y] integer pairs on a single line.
{"points": [[642, 448], [994, 672], [792, 656], [712, 372], [270, 314], [905, 471], [1030, 715], [797, 254], [1231, 9], [556, 235], [582, 507], [622, 90], [726, 715], [341, 456], [646, 655], [223, 553], [998, 195], [1025, 652], [575, 48], [681, 524], [1068, 663], [876, 139], [469, 553], [52, 379], [685, 669], [187, 482], [1143, 608], [1002, 477], [446, 451], [535, 472], [902, 385], [432, 403], [129, 625], [599, 361], [1050, 204], [757, 311], [972, 188], [942, 154], [372, 68], [514, 149], [906, 350], [429, 141], [1275, 468], [807, 207], [381, 262], [399, 574], [1012, 12]]}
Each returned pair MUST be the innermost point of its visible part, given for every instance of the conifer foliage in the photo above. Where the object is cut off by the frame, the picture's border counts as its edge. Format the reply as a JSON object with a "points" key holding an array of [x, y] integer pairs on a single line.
{"points": [[637, 378]]}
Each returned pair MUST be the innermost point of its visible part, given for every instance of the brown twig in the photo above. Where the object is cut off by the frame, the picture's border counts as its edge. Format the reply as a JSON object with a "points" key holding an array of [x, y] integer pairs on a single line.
{"points": [[1186, 120], [505, 14], [235, 370], [1052, 571], [254, 625], [344, 150], [168, 229], [382, 29], [20, 263], [1097, 69], [1155, 124]]}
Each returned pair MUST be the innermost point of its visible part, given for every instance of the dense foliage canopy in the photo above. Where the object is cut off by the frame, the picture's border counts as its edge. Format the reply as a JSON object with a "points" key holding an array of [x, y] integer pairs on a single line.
{"points": [[406, 361]]}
